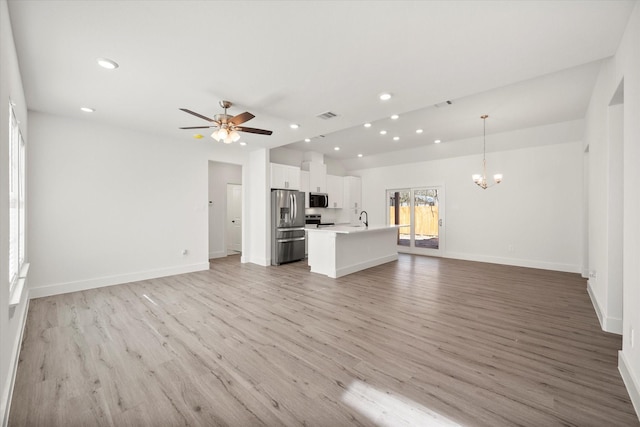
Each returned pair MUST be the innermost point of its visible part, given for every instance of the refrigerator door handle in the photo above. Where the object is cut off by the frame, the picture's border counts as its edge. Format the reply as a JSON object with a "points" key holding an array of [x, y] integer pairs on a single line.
{"points": [[294, 207]]}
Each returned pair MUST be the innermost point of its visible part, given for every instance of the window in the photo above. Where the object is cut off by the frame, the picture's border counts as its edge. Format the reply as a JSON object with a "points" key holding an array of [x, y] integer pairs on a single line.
{"points": [[17, 217]]}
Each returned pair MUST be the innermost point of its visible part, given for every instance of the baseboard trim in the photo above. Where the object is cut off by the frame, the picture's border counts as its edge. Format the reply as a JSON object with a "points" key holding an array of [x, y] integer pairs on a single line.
{"points": [[5, 405], [217, 254], [259, 261], [629, 379], [81, 285], [543, 265], [607, 324], [595, 304], [363, 265]]}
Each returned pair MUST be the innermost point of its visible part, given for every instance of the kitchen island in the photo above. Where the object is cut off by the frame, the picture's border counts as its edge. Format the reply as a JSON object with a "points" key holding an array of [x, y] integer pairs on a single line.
{"points": [[344, 249]]}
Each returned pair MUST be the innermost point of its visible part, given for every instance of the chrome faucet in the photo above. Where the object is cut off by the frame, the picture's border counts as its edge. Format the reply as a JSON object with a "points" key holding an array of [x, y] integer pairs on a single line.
{"points": [[366, 221]]}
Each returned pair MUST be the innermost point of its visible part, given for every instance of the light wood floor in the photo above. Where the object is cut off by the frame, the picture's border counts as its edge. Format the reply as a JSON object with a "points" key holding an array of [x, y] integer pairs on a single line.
{"points": [[421, 341]]}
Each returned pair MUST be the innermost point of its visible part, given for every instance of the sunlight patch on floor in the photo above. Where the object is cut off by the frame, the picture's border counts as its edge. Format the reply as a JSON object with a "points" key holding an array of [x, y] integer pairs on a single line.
{"points": [[387, 410]]}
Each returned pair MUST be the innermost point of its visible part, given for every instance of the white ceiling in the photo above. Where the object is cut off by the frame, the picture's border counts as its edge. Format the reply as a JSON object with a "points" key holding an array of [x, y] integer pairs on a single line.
{"points": [[525, 63]]}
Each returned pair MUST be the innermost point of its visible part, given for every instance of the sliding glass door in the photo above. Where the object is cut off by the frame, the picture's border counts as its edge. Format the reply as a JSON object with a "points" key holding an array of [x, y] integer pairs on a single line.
{"points": [[420, 214]]}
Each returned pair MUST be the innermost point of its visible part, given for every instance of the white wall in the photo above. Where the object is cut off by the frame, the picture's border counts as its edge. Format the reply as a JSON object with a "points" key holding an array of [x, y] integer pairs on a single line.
{"points": [[11, 320], [110, 205], [604, 201], [603, 218], [256, 216], [536, 210], [287, 156], [220, 174]]}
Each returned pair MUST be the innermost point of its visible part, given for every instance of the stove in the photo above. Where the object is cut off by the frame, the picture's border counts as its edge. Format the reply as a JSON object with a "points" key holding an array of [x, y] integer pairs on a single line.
{"points": [[316, 219]]}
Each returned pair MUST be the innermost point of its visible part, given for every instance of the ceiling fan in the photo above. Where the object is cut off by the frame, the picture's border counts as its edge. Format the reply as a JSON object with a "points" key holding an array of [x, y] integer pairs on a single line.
{"points": [[227, 126]]}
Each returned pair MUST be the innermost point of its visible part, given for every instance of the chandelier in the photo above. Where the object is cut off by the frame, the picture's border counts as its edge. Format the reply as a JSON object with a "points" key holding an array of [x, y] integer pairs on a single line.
{"points": [[481, 180]]}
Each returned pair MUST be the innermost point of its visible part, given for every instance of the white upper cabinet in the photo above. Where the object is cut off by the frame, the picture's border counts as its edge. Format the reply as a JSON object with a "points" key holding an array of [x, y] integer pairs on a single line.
{"points": [[317, 177], [353, 196], [352, 192], [335, 190], [304, 186], [285, 177]]}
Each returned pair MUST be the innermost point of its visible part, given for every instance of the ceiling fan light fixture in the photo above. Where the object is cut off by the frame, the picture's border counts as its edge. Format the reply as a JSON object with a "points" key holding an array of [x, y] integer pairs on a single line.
{"points": [[227, 128]]}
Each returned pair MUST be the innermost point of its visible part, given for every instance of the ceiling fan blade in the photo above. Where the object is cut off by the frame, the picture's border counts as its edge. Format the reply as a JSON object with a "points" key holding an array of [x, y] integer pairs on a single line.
{"points": [[197, 115], [241, 118], [254, 130], [198, 127]]}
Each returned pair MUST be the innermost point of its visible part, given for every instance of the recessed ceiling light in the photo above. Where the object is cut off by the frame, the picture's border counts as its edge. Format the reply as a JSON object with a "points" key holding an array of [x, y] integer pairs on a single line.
{"points": [[367, 125], [294, 126], [336, 148], [385, 96], [437, 141], [419, 131], [395, 117], [198, 136], [243, 143], [359, 155], [383, 132], [307, 140], [87, 109], [396, 138], [107, 63]]}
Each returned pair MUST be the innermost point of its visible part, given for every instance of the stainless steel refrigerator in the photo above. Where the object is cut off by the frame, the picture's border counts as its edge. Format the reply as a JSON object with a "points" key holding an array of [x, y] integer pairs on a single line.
{"points": [[287, 226]]}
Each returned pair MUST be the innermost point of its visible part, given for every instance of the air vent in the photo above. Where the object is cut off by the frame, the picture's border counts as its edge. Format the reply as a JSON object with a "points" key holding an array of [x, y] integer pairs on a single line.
{"points": [[326, 116], [443, 104]]}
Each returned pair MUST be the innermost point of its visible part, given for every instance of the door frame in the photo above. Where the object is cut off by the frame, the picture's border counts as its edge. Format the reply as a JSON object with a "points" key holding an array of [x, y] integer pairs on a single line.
{"points": [[412, 249]]}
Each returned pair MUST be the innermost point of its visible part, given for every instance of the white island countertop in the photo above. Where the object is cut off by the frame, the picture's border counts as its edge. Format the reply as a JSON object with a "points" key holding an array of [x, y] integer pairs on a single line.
{"points": [[339, 250], [348, 229]]}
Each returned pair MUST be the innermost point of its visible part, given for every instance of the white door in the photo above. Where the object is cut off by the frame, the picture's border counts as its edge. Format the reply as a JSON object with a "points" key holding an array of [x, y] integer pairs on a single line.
{"points": [[234, 218]]}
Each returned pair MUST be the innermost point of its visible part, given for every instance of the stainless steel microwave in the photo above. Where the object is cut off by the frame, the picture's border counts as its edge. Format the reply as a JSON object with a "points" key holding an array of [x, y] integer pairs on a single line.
{"points": [[318, 200]]}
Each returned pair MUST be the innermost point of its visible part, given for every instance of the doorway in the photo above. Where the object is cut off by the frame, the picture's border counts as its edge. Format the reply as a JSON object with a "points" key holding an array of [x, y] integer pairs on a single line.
{"points": [[420, 212], [225, 187]]}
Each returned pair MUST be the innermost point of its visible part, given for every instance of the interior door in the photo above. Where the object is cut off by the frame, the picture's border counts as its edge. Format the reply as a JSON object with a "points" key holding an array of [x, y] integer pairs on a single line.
{"points": [[234, 218]]}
